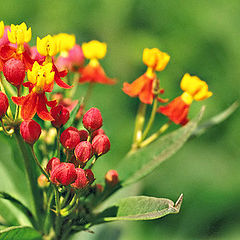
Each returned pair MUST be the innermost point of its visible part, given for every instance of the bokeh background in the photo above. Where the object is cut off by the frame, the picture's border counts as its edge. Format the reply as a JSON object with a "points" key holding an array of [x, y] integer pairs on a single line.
{"points": [[202, 38]]}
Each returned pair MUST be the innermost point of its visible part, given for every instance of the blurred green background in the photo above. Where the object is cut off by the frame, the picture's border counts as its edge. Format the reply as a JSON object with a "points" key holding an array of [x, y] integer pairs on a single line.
{"points": [[202, 38]]}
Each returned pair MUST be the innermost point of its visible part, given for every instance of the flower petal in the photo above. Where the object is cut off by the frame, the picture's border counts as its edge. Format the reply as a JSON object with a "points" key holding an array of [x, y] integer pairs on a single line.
{"points": [[42, 111], [29, 106]]}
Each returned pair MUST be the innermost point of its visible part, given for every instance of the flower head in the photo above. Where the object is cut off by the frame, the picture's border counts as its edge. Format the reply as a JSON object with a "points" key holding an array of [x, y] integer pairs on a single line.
{"points": [[64, 42], [1, 29], [47, 46], [94, 50], [194, 89]]}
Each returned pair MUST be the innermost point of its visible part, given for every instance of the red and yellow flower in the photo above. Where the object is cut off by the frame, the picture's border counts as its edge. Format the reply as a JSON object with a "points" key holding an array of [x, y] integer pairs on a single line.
{"points": [[145, 86], [19, 35], [93, 72], [194, 89], [41, 80], [48, 47]]}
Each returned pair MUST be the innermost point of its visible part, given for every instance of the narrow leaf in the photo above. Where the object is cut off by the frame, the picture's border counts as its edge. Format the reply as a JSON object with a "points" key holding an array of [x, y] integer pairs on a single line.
{"points": [[73, 115], [19, 206], [215, 120], [139, 164], [140, 208], [20, 232]]}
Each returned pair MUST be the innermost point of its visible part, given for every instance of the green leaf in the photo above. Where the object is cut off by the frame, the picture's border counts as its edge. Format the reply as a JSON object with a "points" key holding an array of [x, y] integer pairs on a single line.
{"points": [[20, 232], [137, 165], [73, 115], [140, 208], [215, 120], [20, 206]]}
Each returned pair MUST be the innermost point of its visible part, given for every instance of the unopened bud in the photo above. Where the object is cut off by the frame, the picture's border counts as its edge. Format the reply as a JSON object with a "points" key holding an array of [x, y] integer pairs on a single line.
{"points": [[97, 132], [111, 178], [70, 138], [43, 181], [30, 131], [101, 144], [60, 115], [98, 188], [64, 173], [52, 163], [83, 151], [83, 135], [81, 180], [14, 71], [92, 119], [3, 104], [90, 176]]}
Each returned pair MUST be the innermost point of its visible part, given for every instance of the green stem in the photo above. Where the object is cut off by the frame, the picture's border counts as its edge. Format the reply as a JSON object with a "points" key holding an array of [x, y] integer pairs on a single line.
{"points": [[9, 133], [32, 177], [88, 93], [58, 209], [75, 85], [58, 143], [17, 107], [139, 122], [93, 162], [154, 136], [151, 119]]}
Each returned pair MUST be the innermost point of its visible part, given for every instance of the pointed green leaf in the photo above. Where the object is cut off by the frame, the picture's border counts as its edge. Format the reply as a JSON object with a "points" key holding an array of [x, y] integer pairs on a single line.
{"points": [[20, 206], [137, 165], [140, 208], [215, 120], [20, 232], [73, 115]]}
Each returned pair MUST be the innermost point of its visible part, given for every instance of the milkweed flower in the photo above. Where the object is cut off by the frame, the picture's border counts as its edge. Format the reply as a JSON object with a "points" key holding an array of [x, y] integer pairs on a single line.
{"points": [[48, 47], [93, 72], [193, 89], [41, 80], [20, 36], [147, 85]]}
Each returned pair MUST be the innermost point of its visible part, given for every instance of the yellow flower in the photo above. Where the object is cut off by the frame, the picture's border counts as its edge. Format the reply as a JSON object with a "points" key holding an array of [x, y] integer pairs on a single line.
{"points": [[1, 29], [65, 42], [194, 89], [40, 76], [47, 46], [19, 34], [155, 59], [94, 49]]}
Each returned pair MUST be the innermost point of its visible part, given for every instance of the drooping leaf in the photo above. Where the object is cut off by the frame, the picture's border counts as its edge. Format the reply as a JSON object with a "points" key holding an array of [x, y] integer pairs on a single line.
{"points": [[140, 208], [215, 120], [137, 165], [20, 232], [7, 217], [20, 206]]}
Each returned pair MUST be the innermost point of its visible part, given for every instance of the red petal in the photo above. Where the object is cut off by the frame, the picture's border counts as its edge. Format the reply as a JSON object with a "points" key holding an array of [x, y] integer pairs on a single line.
{"points": [[63, 73], [49, 87], [58, 80], [29, 106], [29, 85], [42, 111], [50, 103], [27, 60], [7, 52], [19, 100]]}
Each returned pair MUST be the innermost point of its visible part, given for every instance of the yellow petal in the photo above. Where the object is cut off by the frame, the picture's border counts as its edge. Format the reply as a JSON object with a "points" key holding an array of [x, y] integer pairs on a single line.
{"points": [[1, 29]]}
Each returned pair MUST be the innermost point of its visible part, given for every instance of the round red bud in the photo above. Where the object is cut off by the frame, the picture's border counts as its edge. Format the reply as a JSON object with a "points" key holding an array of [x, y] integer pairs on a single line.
{"points": [[81, 180], [111, 178], [97, 132], [52, 163], [92, 119], [3, 104], [83, 151], [83, 135], [101, 144], [99, 188], [64, 173], [30, 131], [14, 71], [60, 114], [89, 175], [43, 181], [70, 138]]}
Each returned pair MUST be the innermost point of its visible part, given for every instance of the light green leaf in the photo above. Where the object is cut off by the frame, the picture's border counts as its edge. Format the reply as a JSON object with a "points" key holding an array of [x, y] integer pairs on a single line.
{"points": [[215, 120], [140, 208], [20, 232], [137, 165], [73, 115]]}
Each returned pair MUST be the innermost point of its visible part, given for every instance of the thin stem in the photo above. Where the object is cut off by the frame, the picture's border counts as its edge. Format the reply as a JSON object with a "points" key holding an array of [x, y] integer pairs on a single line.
{"points": [[93, 162], [88, 93], [139, 122], [39, 164], [154, 136], [75, 85], [58, 209], [17, 107], [9, 133], [66, 197], [58, 143], [151, 119]]}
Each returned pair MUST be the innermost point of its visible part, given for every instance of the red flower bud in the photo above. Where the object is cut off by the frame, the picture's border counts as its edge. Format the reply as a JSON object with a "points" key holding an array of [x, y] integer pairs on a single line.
{"points": [[14, 71], [60, 115], [97, 132], [81, 180], [98, 188], [92, 119], [101, 144], [64, 173], [83, 151], [111, 178], [3, 104], [70, 138], [52, 163], [83, 135], [30, 131], [89, 175], [43, 181]]}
